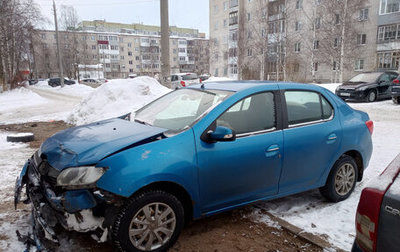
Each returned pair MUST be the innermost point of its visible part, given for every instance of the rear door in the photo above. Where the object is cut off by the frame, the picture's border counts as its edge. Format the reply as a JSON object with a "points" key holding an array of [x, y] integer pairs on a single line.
{"points": [[384, 85], [312, 139]]}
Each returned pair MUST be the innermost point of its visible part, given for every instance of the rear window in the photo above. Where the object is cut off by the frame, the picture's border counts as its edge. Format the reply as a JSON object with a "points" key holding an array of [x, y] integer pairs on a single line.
{"points": [[189, 77]]}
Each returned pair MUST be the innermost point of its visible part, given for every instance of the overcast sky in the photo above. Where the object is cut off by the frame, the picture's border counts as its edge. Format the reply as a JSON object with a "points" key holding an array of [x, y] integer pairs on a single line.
{"points": [[182, 13]]}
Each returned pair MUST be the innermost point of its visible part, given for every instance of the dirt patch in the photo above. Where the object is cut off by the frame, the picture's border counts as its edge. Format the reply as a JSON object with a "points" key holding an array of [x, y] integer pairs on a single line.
{"points": [[231, 231], [41, 130]]}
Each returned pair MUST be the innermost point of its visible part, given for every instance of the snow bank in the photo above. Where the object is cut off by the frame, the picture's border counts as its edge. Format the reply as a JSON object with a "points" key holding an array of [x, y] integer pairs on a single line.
{"points": [[18, 98], [78, 90], [115, 98]]}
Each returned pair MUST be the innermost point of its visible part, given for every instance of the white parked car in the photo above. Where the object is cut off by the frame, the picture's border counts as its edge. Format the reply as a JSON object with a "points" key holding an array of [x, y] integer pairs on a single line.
{"points": [[184, 79]]}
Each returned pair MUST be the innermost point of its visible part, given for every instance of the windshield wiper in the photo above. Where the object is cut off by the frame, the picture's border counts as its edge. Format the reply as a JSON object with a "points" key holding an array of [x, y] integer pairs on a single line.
{"points": [[142, 122]]}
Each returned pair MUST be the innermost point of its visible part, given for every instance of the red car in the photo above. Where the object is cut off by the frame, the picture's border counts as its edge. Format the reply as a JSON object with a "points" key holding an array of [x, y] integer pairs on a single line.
{"points": [[378, 213]]}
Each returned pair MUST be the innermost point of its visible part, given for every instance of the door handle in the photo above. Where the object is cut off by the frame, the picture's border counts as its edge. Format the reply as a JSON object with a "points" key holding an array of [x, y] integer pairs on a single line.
{"points": [[332, 137], [272, 148]]}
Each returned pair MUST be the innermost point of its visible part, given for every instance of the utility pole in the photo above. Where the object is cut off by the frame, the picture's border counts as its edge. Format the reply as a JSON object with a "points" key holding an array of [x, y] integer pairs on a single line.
{"points": [[165, 65], [60, 66]]}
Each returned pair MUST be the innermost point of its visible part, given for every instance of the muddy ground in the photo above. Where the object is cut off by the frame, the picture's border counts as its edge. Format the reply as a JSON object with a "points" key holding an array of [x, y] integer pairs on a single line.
{"points": [[231, 231]]}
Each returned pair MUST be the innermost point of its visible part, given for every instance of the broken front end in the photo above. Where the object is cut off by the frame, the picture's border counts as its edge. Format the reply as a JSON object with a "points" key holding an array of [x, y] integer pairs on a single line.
{"points": [[67, 198]]}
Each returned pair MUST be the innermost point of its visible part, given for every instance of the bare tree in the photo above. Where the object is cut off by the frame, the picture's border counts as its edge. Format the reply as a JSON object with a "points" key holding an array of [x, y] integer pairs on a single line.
{"points": [[71, 44], [16, 20]]}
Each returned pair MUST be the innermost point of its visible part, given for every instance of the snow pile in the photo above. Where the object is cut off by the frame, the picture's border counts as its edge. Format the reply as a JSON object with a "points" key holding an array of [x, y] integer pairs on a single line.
{"points": [[116, 98], [78, 90], [19, 98]]}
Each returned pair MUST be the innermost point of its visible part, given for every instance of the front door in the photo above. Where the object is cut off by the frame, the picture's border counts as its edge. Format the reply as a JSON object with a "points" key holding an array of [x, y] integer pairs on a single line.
{"points": [[248, 168]]}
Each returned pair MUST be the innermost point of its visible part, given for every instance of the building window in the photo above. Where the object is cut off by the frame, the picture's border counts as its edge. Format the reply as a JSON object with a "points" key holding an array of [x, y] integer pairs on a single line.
{"points": [[129, 53], [216, 72], [122, 57], [182, 58], [316, 44], [359, 65], [336, 42], [130, 62], [215, 8], [233, 18], [248, 16], [317, 23], [296, 67], [297, 47], [225, 22], [388, 32], [389, 6], [225, 6], [249, 35], [335, 66], [129, 45], [361, 39], [216, 25], [316, 66], [225, 71], [43, 36], [299, 4], [249, 52], [121, 39], [363, 14], [137, 58], [182, 50], [93, 47], [337, 18], [389, 60], [297, 26]]}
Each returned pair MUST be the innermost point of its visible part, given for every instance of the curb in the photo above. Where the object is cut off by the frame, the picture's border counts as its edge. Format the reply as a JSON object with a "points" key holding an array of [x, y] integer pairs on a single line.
{"points": [[308, 237]]}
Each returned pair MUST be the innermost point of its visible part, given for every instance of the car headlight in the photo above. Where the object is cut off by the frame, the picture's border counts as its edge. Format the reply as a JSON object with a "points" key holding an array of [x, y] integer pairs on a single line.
{"points": [[80, 176], [362, 88]]}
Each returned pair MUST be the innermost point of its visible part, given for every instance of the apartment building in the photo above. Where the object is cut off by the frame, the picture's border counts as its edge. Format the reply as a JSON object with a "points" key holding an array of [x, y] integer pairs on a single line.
{"points": [[302, 40], [121, 49], [388, 40]]}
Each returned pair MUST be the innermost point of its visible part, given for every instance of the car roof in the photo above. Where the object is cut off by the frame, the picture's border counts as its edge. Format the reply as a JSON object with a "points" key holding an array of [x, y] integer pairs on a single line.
{"points": [[236, 86], [181, 74]]}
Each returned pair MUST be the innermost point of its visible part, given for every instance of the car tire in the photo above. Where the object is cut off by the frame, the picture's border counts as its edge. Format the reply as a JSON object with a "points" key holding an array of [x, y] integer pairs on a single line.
{"points": [[341, 180], [371, 96], [21, 137], [137, 224], [396, 100]]}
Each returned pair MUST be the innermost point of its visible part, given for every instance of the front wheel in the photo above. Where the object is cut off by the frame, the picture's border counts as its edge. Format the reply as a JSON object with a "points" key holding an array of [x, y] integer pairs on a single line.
{"points": [[150, 221], [341, 180], [396, 100], [372, 95]]}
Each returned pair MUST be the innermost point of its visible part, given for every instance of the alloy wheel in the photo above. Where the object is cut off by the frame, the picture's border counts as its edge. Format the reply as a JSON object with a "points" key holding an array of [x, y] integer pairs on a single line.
{"points": [[152, 226], [345, 179]]}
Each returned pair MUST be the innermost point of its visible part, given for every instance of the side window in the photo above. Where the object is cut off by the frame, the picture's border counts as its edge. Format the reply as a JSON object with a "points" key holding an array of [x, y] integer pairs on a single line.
{"points": [[254, 113], [174, 78], [384, 77], [306, 106], [393, 76]]}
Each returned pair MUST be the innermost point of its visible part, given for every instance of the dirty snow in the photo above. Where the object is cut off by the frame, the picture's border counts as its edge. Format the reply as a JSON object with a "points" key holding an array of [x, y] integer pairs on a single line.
{"points": [[308, 211]]}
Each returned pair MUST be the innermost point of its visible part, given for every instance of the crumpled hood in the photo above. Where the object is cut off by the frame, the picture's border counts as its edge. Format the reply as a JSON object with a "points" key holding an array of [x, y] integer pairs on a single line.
{"points": [[87, 144]]}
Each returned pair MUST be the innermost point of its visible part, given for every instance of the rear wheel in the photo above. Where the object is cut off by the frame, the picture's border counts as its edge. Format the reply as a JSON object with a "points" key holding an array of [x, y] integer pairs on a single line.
{"points": [[341, 180], [151, 221], [371, 97]]}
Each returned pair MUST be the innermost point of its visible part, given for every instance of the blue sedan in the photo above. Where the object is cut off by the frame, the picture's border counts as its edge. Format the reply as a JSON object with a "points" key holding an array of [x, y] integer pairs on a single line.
{"points": [[195, 152]]}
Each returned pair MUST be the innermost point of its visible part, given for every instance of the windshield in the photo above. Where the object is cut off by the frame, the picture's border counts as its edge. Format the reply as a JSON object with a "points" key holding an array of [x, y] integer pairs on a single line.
{"points": [[181, 108], [365, 77]]}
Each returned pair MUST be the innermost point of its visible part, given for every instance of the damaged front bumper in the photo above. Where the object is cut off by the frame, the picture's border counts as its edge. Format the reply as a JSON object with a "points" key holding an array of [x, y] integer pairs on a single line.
{"points": [[83, 210]]}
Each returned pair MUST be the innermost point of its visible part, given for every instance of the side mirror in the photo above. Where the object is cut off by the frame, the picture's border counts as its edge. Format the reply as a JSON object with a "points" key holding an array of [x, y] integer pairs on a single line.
{"points": [[222, 134], [381, 81]]}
